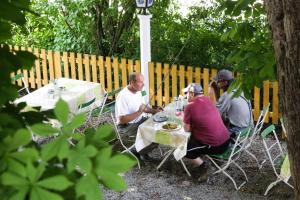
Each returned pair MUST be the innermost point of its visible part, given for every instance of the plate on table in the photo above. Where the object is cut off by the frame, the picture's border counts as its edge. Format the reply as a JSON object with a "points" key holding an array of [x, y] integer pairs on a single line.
{"points": [[160, 118], [170, 126]]}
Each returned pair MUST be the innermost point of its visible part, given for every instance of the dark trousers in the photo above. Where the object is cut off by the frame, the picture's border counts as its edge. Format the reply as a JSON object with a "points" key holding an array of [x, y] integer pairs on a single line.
{"points": [[195, 149]]}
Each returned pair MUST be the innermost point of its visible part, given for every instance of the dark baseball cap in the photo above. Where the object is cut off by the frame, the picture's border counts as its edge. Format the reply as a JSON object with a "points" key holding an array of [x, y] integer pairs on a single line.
{"points": [[223, 74], [193, 87]]}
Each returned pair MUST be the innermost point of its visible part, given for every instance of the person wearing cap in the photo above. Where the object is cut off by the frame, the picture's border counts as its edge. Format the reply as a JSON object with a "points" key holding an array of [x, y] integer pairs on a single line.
{"points": [[130, 106], [208, 132], [236, 110]]}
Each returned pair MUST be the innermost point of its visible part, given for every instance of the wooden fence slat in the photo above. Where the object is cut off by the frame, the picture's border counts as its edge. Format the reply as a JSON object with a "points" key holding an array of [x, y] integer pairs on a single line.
{"points": [[66, 65], [206, 79], [86, 62], [137, 66], [174, 81], [51, 64], [72, 61], [124, 72], [266, 95], [151, 83], [158, 84], [189, 74], [38, 68], [94, 68], [79, 66], [31, 77], [198, 75], [44, 66], [275, 104], [181, 78], [130, 66], [57, 65], [116, 73], [167, 83], [109, 73], [256, 103], [101, 71]]}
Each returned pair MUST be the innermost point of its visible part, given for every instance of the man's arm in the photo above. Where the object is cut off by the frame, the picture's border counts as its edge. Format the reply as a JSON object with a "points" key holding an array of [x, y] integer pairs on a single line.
{"points": [[186, 127], [125, 119]]}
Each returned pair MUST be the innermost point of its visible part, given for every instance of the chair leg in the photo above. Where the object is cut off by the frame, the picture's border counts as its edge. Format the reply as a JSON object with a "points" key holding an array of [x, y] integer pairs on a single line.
{"points": [[165, 158], [271, 185], [254, 157], [225, 173], [240, 168], [128, 150]]}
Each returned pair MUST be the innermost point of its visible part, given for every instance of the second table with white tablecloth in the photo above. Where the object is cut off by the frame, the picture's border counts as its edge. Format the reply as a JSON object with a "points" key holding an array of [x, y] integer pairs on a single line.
{"points": [[74, 92]]}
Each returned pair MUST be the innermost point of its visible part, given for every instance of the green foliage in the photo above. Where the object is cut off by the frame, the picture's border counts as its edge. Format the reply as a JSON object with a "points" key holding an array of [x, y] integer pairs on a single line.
{"points": [[113, 30], [253, 57], [59, 169]]}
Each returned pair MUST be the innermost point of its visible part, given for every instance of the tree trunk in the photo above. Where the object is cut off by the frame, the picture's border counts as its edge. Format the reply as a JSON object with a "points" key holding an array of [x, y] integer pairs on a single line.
{"points": [[284, 20]]}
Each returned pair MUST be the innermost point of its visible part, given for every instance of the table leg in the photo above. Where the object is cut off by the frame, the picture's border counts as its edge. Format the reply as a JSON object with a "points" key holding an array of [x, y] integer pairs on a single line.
{"points": [[165, 158]]}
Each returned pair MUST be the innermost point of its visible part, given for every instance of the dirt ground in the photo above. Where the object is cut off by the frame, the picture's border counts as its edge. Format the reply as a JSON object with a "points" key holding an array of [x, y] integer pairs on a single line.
{"points": [[172, 182]]}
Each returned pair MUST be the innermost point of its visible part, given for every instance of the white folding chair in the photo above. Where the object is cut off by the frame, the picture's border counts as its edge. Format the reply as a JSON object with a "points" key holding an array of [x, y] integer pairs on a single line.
{"points": [[127, 149], [275, 154], [231, 156], [25, 86], [254, 134]]}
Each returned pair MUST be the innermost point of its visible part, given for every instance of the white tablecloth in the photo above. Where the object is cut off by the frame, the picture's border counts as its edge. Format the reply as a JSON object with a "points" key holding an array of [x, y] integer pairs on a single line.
{"points": [[75, 93], [151, 131]]}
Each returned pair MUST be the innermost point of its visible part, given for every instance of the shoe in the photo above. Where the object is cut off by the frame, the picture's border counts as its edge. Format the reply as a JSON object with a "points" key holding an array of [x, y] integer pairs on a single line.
{"points": [[146, 158]]}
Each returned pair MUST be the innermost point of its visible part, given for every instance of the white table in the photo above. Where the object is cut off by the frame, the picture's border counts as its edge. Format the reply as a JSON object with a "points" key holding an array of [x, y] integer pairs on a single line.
{"points": [[75, 93], [151, 131]]}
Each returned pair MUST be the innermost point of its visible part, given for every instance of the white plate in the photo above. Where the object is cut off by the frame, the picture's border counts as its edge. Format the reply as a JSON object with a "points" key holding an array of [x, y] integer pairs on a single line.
{"points": [[175, 129]]}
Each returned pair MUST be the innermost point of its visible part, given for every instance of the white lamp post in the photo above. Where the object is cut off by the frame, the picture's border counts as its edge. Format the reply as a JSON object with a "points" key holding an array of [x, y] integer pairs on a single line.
{"points": [[145, 41]]}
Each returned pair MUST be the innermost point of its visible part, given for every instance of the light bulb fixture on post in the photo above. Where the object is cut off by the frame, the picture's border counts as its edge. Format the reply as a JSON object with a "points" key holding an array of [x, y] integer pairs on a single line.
{"points": [[145, 41]]}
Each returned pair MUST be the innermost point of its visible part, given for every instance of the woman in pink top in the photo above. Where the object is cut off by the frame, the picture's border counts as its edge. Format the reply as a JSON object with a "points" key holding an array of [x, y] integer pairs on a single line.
{"points": [[208, 132]]}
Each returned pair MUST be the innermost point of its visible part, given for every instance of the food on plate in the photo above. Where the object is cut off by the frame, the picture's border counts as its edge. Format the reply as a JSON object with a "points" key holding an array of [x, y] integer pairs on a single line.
{"points": [[170, 126]]}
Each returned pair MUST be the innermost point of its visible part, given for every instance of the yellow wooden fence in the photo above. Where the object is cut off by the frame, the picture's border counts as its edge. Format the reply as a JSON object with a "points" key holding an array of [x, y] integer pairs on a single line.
{"points": [[166, 81]]}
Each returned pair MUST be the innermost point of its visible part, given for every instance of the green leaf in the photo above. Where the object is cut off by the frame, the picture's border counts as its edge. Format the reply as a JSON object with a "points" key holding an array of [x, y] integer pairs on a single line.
{"points": [[105, 132], [58, 183], [25, 155], [112, 180], [51, 149], [88, 186], [20, 138], [4, 33], [6, 13], [41, 194], [44, 129], [61, 111], [20, 194], [120, 163], [11, 179], [16, 167], [63, 150], [76, 122], [80, 157]]}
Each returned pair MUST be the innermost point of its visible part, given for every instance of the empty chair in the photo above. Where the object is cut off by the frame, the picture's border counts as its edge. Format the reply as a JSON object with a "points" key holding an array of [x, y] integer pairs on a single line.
{"points": [[275, 155]]}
